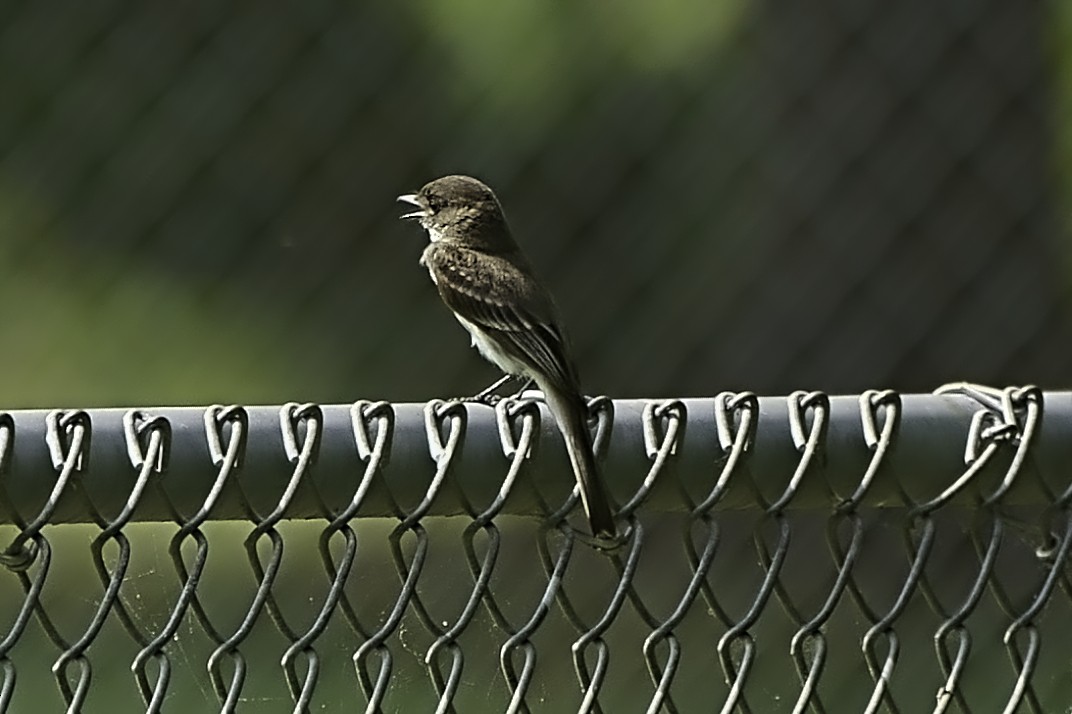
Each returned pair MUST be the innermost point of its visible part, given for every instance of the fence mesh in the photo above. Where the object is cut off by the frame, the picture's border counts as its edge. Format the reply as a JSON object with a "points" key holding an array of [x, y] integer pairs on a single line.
{"points": [[833, 577]]}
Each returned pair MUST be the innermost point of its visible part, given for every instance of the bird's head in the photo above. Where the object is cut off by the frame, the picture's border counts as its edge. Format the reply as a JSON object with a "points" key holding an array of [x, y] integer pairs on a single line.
{"points": [[462, 209]]}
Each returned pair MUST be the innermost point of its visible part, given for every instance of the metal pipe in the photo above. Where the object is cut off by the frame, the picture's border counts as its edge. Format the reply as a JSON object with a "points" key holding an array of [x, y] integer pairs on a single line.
{"points": [[924, 453]]}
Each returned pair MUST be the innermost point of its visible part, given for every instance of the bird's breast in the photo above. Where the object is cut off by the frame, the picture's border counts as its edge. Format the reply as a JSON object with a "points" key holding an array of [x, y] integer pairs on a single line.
{"points": [[489, 349], [426, 261]]}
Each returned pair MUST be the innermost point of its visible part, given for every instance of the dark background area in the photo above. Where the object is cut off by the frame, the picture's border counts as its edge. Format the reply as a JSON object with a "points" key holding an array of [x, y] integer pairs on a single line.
{"points": [[197, 205], [197, 199]]}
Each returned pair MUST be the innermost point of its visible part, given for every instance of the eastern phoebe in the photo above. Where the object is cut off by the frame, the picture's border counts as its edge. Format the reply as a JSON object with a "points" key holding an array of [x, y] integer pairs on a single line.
{"points": [[489, 285]]}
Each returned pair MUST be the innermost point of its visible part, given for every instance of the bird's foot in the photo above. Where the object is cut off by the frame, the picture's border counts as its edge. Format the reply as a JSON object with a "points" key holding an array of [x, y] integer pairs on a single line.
{"points": [[488, 395], [489, 400]]}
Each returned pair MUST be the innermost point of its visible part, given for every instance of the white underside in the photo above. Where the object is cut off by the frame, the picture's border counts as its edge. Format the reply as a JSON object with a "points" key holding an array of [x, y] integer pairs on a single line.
{"points": [[491, 351]]}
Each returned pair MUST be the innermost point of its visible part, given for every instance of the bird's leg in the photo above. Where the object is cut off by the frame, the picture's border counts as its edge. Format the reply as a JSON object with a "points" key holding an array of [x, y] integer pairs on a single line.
{"points": [[525, 386], [487, 395]]}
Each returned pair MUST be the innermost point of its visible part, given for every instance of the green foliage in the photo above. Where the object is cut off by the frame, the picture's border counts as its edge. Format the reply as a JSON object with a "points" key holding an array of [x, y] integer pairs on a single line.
{"points": [[81, 328], [537, 58]]}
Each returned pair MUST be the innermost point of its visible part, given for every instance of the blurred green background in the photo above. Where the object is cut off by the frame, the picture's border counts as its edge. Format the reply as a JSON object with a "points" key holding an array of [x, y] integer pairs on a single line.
{"points": [[197, 199], [197, 205]]}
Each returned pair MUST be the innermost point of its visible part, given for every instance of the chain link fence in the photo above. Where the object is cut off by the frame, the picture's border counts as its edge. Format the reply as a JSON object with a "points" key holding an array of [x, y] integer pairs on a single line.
{"points": [[879, 553]]}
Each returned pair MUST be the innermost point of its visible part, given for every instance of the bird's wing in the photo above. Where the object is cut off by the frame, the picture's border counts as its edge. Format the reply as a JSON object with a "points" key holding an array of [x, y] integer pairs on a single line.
{"points": [[508, 303]]}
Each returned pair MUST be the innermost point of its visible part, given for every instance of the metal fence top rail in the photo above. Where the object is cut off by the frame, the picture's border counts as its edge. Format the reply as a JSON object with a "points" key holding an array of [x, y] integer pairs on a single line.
{"points": [[812, 471], [377, 459]]}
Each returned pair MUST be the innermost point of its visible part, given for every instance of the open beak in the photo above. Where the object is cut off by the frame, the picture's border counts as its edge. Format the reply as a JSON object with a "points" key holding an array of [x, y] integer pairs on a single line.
{"points": [[411, 198]]}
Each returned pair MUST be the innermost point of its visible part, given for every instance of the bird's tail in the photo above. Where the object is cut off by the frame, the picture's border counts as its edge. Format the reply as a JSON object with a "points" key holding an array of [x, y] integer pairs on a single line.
{"points": [[571, 414]]}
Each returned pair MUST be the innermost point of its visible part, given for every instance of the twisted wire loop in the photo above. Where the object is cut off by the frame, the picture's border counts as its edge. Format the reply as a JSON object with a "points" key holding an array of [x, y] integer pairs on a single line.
{"points": [[68, 440], [18, 559], [518, 423], [1011, 430], [148, 444], [438, 415], [373, 450], [736, 418], [228, 461], [664, 426], [301, 451], [1022, 409], [67, 437], [736, 425], [988, 432], [558, 537], [809, 646], [601, 418], [808, 441], [554, 534], [555, 545]]}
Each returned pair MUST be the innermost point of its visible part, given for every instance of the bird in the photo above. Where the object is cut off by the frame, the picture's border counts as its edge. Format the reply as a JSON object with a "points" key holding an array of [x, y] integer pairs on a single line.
{"points": [[490, 286]]}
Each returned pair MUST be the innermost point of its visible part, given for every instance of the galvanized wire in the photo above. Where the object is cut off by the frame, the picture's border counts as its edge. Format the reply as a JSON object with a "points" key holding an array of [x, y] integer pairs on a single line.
{"points": [[510, 612]]}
